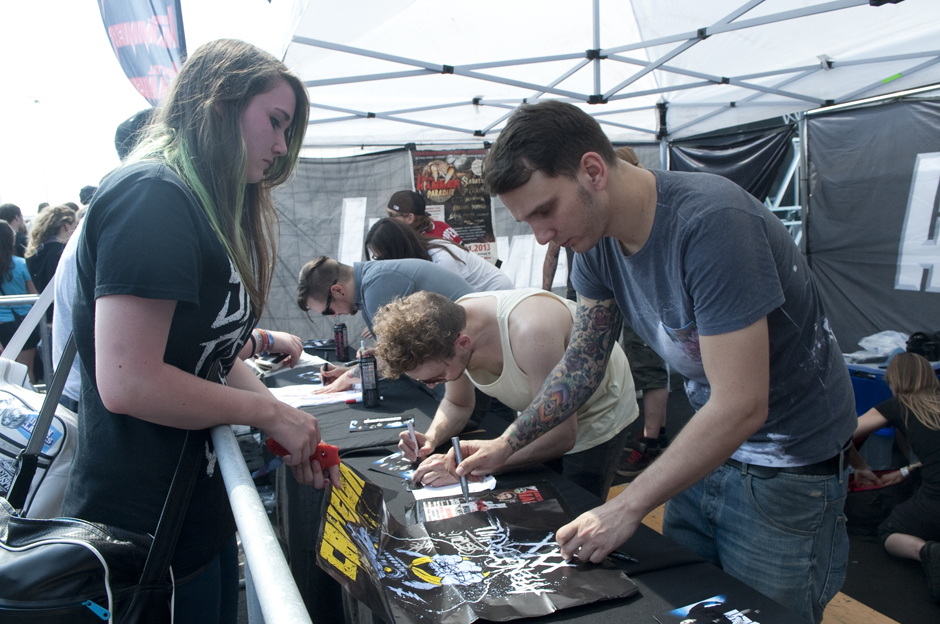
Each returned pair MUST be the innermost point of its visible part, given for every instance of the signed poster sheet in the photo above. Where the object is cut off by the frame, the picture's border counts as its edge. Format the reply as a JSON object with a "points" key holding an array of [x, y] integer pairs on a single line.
{"points": [[499, 565]]}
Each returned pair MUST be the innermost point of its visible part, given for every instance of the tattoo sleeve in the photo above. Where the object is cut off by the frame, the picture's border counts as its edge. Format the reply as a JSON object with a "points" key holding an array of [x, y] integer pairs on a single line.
{"points": [[577, 376]]}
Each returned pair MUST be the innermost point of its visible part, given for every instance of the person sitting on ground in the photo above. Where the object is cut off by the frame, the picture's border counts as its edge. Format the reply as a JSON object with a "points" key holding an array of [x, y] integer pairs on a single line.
{"points": [[409, 207], [912, 531], [333, 288], [15, 280], [12, 214], [390, 239], [50, 233], [505, 343]]}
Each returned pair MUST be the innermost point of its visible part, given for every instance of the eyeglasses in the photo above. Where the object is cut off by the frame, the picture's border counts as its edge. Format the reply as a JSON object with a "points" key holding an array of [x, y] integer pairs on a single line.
{"points": [[328, 311], [434, 382]]}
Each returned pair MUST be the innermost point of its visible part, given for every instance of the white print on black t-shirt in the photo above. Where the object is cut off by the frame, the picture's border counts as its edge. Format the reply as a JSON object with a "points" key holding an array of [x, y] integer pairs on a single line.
{"points": [[228, 342]]}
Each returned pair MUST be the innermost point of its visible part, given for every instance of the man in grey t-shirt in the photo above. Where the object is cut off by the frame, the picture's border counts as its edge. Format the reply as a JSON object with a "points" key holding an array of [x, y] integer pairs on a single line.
{"points": [[332, 288], [710, 279]]}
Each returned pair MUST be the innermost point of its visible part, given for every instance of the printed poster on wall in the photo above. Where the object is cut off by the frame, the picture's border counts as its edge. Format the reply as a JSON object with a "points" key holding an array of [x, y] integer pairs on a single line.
{"points": [[451, 182], [499, 565]]}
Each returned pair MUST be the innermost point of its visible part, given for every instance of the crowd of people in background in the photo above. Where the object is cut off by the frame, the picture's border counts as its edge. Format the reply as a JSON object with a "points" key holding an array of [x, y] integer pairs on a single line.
{"points": [[28, 263]]}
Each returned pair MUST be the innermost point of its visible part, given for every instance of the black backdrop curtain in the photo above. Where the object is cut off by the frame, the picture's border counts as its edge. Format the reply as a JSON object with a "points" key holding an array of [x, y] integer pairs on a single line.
{"points": [[871, 226], [750, 159]]}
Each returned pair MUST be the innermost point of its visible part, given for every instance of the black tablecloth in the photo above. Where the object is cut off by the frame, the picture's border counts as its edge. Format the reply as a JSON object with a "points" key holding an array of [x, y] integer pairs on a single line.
{"points": [[668, 575]]}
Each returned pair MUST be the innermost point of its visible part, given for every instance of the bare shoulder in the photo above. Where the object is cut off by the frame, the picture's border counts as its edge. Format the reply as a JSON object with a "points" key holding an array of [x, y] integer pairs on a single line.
{"points": [[539, 330]]}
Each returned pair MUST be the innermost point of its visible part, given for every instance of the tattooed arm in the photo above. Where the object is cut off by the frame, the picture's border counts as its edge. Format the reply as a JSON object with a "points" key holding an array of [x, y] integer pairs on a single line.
{"points": [[570, 384]]}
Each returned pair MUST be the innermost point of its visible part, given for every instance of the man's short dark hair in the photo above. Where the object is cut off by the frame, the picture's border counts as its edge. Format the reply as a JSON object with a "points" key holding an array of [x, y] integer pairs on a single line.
{"points": [[9, 212], [316, 279], [86, 194], [550, 137], [130, 131]]}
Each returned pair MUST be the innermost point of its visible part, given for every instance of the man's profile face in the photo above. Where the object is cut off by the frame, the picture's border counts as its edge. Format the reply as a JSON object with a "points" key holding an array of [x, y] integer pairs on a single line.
{"points": [[558, 209], [338, 306], [438, 371]]}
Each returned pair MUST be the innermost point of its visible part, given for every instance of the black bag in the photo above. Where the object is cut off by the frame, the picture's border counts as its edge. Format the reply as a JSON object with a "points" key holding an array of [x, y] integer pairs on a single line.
{"points": [[922, 344], [69, 570]]}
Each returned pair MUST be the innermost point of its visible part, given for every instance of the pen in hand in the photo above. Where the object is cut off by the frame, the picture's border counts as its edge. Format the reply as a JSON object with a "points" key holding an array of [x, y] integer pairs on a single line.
{"points": [[463, 480], [414, 440]]}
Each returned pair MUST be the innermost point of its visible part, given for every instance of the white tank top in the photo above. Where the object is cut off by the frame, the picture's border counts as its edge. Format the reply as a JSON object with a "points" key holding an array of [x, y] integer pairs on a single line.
{"points": [[612, 406]]}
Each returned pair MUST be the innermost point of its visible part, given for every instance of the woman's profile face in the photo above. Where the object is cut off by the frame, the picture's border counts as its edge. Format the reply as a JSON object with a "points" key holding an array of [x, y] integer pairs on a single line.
{"points": [[264, 122]]}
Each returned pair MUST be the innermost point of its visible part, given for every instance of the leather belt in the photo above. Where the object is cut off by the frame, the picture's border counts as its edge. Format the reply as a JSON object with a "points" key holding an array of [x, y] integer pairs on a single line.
{"points": [[832, 466]]}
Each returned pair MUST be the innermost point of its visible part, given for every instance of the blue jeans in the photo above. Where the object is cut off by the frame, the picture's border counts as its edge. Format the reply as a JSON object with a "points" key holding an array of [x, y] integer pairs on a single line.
{"points": [[784, 536], [210, 595]]}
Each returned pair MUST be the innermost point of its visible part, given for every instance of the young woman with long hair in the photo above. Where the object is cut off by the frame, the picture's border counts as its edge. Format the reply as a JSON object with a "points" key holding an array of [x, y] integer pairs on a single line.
{"points": [[15, 280], [391, 239], [47, 239], [912, 530], [174, 265]]}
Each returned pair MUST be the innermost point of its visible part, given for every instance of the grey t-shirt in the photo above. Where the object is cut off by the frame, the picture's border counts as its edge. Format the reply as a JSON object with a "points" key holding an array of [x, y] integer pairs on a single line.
{"points": [[379, 282], [718, 261]]}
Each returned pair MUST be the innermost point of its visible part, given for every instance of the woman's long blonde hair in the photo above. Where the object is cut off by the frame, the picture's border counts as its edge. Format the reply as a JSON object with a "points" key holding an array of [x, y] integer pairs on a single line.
{"points": [[197, 131], [914, 382], [47, 226]]}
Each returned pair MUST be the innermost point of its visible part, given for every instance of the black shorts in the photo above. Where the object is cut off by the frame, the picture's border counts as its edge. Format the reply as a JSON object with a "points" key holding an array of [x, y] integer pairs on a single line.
{"points": [[918, 516], [8, 329], [647, 368]]}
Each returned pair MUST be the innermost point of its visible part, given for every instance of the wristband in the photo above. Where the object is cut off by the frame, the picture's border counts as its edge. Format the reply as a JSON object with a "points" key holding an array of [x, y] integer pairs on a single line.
{"points": [[905, 471], [254, 343]]}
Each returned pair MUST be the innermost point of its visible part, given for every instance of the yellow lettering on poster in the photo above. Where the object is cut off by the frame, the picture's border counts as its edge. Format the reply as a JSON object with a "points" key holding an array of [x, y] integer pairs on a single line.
{"points": [[337, 549], [351, 479]]}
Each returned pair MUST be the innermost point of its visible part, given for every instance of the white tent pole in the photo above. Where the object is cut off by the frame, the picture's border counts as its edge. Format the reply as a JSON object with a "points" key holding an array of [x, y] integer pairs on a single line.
{"points": [[620, 125], [733, 104], [803, 184], [669, 89], [856, 94], [772, 90], [524, 61], [596, 9], [785, 15], [680, 49]]}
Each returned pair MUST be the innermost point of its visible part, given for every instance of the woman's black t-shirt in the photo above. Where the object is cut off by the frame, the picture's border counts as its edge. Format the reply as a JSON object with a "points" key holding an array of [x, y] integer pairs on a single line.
{"points": [[146, 236], [924, 441]]}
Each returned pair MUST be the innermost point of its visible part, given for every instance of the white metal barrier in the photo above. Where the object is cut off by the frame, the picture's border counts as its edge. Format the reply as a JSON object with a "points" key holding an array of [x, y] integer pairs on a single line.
{"points": [[280, 600]]}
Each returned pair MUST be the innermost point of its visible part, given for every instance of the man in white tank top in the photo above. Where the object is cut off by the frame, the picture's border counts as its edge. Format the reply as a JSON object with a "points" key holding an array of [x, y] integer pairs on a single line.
{"points": [[505, 343]]}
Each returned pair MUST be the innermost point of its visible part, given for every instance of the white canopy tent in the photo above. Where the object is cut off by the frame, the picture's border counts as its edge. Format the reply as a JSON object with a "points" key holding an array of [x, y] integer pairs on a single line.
{"points": [[391, 72]]}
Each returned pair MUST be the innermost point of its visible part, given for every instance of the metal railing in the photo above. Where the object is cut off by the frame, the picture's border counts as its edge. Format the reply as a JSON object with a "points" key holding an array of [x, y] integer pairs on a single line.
{"points": [[271, 577], [44, 333]]}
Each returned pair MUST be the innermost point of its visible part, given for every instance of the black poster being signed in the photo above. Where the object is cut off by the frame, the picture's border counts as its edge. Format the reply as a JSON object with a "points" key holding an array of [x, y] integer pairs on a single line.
{"points": [[500, 564]]}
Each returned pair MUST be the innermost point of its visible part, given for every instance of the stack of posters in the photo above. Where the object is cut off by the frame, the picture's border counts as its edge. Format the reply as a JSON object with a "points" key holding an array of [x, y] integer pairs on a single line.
{"points": [[498, 564]]}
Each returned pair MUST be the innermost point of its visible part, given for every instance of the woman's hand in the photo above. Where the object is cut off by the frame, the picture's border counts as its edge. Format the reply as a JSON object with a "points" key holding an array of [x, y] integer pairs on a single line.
{"points": [[299, 433], [289, 344]]}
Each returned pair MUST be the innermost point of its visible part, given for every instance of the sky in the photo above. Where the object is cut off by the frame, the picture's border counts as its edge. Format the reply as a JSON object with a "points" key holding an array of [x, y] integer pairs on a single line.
{"points": [[64, 92]]}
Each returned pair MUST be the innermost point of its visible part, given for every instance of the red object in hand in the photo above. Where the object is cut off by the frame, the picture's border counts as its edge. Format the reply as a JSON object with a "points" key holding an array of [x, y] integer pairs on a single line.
{"points": [[327, 454]]}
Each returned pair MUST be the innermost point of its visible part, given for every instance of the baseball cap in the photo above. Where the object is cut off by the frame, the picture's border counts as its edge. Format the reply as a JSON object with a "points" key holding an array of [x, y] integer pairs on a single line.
{"points": [[407, 202]]}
